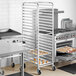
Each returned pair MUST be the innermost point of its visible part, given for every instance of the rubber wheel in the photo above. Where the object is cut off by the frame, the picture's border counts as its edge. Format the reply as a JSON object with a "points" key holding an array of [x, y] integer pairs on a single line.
{"points": [[53, 68], [13, 65], [24, 65], [2, 72], [39, 72]]}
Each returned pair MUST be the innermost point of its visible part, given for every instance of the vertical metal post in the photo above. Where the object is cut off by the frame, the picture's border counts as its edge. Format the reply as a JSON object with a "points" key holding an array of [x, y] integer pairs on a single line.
{"points": [[55, 46], [22, 64], [11, 60], [0, 63], [1, 71], [0, 67], [53, 39], [38, 34]]}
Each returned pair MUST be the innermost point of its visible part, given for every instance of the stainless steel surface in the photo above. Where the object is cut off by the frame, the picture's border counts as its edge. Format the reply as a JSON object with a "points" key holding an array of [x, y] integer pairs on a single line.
{"points": [[7, 47], [66, 23], [56, 13], [22, 64], [11, 46], [55, 18], [65, 43], [62, 34], [66, 57], [9, 36]]}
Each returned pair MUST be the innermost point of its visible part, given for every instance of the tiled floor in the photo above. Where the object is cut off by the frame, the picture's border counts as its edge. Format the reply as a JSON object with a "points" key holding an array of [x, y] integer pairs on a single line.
{"points": [[46, 71]]}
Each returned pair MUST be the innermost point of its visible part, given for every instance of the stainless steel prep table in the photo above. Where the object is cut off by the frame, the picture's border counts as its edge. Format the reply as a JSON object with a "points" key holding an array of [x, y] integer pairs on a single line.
{"points": [[10, 45], [12, 36], [12, 50]]}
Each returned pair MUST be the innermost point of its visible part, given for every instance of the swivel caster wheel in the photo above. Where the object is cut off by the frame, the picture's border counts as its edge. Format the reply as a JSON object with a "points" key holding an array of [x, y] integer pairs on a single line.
{"points": [[13, 65], [53, 68], [39, 72], [2, 73], [24, 65]]}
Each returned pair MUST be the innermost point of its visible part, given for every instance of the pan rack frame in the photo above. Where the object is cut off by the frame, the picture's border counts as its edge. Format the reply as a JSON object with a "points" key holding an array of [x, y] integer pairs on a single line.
{"points": [[38, 32]]}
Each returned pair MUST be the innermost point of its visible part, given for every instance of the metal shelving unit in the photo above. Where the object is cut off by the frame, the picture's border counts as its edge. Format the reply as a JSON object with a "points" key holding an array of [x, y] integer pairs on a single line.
{"points": [[38, 32]]}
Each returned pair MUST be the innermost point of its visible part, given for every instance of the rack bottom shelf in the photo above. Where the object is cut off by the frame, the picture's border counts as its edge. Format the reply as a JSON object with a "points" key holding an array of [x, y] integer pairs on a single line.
{"points": [[42, 62], [66, 57]]}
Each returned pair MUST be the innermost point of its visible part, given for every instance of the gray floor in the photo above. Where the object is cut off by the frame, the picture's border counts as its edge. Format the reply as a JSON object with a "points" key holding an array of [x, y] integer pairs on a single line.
{"points": [[46, 71]]}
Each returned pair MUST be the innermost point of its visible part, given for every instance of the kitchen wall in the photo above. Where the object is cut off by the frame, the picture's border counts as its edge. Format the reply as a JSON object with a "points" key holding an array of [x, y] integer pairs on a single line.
{"points": [[4, 14], [69, 9], [16, 11], [15, 15]]}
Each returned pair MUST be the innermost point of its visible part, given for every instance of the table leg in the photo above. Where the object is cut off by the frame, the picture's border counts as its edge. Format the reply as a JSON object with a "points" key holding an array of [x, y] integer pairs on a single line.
{"points": [[1, 71], [0, 67], [22, 64]]}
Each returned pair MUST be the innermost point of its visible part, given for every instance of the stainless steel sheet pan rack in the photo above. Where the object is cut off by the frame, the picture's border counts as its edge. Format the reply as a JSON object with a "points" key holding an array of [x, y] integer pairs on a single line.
{"points": [[38, 32]]}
